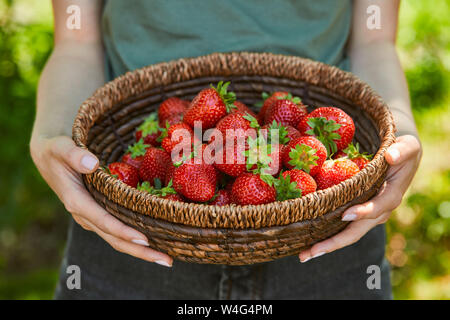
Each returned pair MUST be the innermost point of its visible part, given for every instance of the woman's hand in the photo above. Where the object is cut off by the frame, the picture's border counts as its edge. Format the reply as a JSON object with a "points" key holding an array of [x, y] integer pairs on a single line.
{"points": [[61, 163], [404, 157]]}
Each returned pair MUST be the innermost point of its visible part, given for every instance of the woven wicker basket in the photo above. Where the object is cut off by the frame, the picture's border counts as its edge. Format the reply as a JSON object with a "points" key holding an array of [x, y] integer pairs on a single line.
{"points": [[233, 235]]}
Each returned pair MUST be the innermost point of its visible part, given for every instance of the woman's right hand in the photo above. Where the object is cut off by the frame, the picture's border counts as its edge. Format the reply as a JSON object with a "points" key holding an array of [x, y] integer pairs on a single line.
{"points": [[61, 164]]}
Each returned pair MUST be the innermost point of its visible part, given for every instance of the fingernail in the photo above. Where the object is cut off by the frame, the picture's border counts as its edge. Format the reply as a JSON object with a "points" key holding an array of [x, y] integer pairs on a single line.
{"points": [[318, 255], [306, 260], [163, 263], [395, 154], [89, 162], [349, 217], [140, 242]]}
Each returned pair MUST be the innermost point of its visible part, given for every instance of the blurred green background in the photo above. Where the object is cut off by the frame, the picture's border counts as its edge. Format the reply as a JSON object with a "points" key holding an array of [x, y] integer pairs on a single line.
{"points": [[32, 220]]}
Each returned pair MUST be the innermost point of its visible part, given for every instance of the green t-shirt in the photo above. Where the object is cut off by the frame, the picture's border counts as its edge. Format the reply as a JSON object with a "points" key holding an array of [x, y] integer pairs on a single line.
{"points": [[137, 33]]}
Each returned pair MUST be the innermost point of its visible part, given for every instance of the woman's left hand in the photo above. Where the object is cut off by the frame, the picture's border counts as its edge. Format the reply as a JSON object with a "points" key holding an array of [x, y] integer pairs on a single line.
{"points": [[404, 157]]}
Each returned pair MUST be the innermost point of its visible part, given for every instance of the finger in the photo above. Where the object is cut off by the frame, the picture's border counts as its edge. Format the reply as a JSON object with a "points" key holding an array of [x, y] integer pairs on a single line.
{"points": [[351, 234], [389, 198], [134, 250], [80, 203], [406, 147], [79, 159]]}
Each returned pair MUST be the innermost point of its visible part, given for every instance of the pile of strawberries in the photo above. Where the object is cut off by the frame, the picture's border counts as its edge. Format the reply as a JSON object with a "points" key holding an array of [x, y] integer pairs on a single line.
{"points": [[215, 150]]}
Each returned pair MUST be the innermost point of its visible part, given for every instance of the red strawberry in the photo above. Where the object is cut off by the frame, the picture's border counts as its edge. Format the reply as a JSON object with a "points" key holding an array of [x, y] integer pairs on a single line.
{"points": [[171, 107], [169, 173], [352, 152], [305, 153], [241, 107], [333, 172], [196, 182], [249, 188], [124, 172], [149, 130], [287, 112], [238, 124], [268, 101], [176, 134], [135, 154], [174, 119], [332, 126], [263, 158], [221, 198], [303, 181], [155, 165], [210, 105], [233, 161]]}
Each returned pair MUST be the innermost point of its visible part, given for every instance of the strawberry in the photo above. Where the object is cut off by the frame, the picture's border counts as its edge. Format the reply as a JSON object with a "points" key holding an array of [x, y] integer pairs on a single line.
{"points": [[149, 130], [166, 192], [242, 107], [332, 126], [263, 158], [249, 188], [221, 198], [352, 152], [333, 172], [135, 154], [170, 107], [238, 124], [287, 112], [268, 100], [124, 172], [294, 184], [305, 153], [169, 173], [175, 134], [210, 105], [174, 119], [233, 161], [196, 182], [155, 165]]}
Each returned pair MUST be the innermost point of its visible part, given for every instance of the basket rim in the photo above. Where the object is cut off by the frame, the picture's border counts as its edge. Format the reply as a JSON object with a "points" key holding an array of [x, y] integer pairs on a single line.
{"points": [[138, 81]]}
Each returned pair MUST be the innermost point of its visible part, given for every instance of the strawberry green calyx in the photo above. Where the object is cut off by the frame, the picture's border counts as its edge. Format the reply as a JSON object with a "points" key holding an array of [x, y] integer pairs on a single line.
{"points": [[253, 122], [325, 131], [106, 170], [164, 132], [291, 98], [352, 152], [286, 189], [282, 133], [157, 190], [227, 97], [138, 149], [257, 155], [150, 125], [303, 157], [145, 186]]}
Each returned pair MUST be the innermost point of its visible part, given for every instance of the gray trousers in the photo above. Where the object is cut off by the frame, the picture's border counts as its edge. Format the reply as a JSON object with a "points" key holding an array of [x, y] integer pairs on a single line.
{"points": [[108, 274]]}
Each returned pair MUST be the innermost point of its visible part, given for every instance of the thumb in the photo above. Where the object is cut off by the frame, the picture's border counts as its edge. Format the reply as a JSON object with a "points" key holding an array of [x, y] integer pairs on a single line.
{"points": [[402, 150], [79, 159]]}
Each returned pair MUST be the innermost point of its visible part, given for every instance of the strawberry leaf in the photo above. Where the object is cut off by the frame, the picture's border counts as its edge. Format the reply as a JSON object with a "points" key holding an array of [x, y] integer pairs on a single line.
{"points": [[353, 152]]}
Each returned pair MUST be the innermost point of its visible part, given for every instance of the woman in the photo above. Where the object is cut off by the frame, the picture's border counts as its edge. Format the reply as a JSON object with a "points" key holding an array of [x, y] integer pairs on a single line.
{"points": [[115, 37]]}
